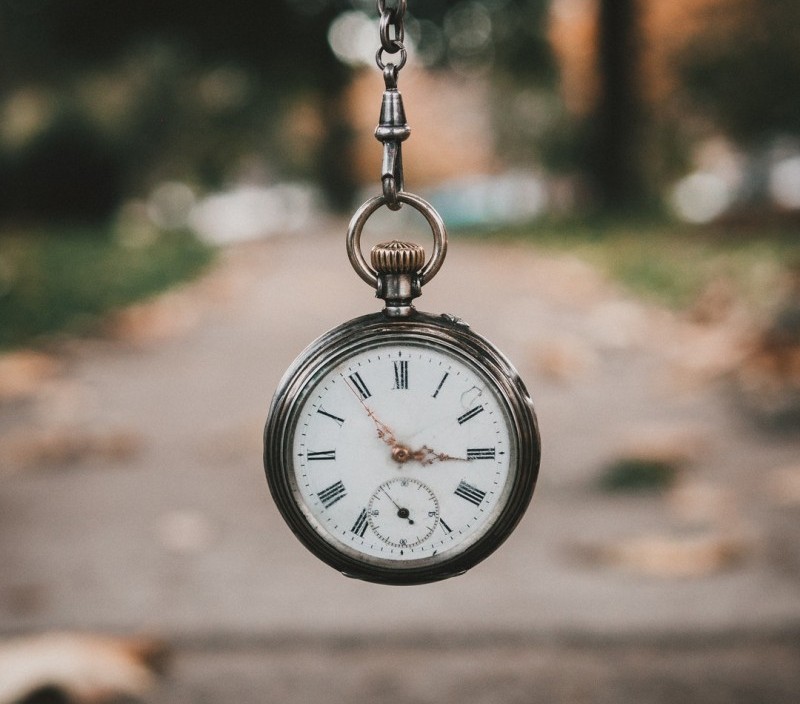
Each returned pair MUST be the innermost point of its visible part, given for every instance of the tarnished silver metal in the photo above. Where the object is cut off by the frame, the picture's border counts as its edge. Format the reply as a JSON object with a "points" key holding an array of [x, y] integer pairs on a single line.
{"points": [[427, 331], [392, 128], [392, 23], [383, 65], [399, 6], [398, 265], [359, 219], [392, 131]]}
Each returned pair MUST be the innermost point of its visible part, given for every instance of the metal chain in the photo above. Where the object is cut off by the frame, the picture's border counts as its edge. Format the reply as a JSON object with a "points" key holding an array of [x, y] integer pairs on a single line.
{"points": [[392, 34], [392, 129]]}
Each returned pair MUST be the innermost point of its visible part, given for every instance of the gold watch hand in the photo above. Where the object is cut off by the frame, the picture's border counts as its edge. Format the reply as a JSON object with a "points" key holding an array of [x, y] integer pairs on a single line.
{"points": [[426, 455], [384, 431]]}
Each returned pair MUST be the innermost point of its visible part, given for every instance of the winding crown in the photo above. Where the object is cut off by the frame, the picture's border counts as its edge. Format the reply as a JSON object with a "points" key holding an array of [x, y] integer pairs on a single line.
{"points": [[397, 257]]}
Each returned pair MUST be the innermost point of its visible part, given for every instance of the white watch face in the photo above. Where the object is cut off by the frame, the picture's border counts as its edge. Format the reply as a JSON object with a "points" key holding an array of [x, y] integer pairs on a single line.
{"points": [[402, 452]]}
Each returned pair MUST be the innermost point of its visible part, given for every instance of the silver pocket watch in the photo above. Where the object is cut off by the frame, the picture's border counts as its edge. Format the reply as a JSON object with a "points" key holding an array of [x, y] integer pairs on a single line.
{"points": [[401, 447]]}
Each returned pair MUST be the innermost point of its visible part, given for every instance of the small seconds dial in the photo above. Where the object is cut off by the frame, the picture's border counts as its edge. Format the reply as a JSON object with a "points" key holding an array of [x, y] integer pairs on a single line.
{"points": [[403, 452], [403, 512]]}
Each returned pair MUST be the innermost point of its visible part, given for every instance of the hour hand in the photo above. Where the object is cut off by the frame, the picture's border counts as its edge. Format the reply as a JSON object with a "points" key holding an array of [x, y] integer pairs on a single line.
{"points": [[425, 455]]}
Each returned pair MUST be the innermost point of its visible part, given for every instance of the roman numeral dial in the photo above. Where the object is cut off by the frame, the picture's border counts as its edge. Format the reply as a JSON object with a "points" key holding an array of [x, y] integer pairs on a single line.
{"points": [[401, 451]]}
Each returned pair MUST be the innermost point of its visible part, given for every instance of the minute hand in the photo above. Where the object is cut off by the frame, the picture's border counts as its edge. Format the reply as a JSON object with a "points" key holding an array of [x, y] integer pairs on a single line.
{"points": [[384, 431]]}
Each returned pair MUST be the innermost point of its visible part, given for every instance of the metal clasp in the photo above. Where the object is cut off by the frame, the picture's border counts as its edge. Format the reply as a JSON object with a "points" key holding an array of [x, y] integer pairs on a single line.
{"points": [[359, 219], [391, 131]]}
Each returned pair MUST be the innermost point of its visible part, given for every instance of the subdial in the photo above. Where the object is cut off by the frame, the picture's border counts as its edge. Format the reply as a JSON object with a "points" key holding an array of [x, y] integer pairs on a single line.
{"points": [[403, 512]]}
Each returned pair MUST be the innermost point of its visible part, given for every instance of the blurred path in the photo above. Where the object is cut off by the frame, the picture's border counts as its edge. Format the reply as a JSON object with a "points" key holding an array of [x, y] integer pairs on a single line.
{"points": [[159, 519]]}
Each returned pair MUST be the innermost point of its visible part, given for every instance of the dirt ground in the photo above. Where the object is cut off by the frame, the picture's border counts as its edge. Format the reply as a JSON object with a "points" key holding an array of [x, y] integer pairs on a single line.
{"points": [[132, 500], [742, 672]]}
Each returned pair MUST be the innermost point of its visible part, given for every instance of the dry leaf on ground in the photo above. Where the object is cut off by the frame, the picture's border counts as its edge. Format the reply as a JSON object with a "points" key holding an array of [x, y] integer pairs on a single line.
{"points": [[783, 486], [672, 444], [32, 448], [22, 373], [564, 358], [668, 556], [84, 668]]}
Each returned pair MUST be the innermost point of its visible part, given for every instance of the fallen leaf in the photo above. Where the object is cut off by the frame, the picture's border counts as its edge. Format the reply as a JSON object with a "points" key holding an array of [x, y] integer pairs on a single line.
{"points": [[165, 317], [671, 444], [702, 502], [22, 373], [672, 556], [84, 668], [783, 486], [33, 448], [564, 358]]}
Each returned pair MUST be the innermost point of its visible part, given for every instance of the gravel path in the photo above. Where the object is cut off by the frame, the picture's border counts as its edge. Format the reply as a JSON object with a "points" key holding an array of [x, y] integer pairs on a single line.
{"points": [[132, 499]]}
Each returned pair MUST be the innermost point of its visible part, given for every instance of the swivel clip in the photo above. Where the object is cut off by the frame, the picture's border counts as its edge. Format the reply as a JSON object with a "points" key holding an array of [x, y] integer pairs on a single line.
{"points": [[392, 130]]}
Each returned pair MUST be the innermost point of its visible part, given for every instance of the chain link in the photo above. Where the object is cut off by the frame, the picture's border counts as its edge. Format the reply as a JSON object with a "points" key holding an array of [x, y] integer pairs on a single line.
{"points": [[391, 44], [392, 33], [392, 129]]}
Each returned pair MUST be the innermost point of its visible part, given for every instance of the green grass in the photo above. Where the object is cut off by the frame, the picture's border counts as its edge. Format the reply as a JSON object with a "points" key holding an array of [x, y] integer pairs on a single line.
{"points": [[633, 474], [65, 281], [671, 263]]}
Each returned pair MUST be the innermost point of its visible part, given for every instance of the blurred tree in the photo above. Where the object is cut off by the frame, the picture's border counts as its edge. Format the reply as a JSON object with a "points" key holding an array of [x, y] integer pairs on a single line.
{"points": [[49, 37], [507, 41], [60, 47], [181, 59], [67, 172], [742, 68], [613, 156]]}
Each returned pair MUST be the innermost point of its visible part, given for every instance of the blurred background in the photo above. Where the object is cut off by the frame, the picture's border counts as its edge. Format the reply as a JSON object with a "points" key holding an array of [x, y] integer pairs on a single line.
{"points": [[622, 177]]}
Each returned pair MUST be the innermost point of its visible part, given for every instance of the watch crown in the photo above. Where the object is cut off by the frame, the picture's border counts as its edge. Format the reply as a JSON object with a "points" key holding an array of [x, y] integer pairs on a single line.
{"points": [[397, 257]]}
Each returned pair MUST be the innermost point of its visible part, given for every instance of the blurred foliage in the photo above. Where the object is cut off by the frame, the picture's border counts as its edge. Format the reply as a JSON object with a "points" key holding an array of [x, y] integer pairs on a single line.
{"points": [[742, 69], [634, 474], [102, 100], [51, 282], [673, 264], [51, 38], [614, 151]]}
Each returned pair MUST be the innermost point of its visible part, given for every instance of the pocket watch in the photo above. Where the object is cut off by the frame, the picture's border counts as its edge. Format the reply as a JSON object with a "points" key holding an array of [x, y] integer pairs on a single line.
{"points": [[401, 447]]}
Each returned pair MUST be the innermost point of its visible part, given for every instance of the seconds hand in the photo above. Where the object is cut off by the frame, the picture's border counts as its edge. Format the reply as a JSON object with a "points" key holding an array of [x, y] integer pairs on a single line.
{"points": [[401, 512]]}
